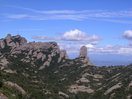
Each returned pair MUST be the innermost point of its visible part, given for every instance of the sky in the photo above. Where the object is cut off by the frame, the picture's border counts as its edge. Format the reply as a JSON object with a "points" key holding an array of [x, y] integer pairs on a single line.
{"points": [[103, 26]]}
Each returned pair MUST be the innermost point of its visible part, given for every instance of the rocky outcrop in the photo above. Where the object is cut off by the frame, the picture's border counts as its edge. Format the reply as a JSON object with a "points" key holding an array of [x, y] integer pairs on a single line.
{"points": [[37, 53], [83, 51], [11, 84], [15, 41], [2, 96], [79, 88], [63, 56], [2, 44], [40, 54], [83, 56], [113, 88], [63, 94], [43, 54], [3, 62]]}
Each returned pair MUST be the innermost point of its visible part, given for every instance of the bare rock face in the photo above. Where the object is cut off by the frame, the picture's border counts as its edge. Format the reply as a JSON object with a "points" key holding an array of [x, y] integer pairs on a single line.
{"points": [[63, 56], [83, 51], [19, 88], [83, 56], [2, 44], [44, 53], [36, 53], [2, 96], [15, 41], [40, 54]]}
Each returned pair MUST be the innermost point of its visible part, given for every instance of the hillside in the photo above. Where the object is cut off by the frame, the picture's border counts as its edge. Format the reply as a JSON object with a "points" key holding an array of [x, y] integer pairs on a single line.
{"points": [[36, 70]]}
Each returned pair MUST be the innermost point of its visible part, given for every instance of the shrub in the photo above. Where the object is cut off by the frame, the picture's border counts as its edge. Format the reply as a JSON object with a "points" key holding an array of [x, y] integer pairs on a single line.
{"points": [[1, 82]]}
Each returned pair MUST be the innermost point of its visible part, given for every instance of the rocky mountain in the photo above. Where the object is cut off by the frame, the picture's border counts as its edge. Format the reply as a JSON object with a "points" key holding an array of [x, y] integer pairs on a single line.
{"points": [[35, 53], [40, 70]]}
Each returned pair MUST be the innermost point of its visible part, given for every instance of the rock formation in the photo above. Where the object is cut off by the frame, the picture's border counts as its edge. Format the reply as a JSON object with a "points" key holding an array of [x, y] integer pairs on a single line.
{"points": [[15, 41], [2, 44], [42, 53], [83, 51], [2, 96], [63, 56], [83, 56]]}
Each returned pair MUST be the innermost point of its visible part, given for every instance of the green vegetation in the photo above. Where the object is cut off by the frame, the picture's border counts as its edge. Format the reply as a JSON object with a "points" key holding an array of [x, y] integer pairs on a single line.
{"points": [[47, 83], [1, 80]]}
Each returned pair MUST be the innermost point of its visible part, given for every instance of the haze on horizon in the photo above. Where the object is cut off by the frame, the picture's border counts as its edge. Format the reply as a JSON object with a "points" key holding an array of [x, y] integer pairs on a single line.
{"points": [[102, 26]]}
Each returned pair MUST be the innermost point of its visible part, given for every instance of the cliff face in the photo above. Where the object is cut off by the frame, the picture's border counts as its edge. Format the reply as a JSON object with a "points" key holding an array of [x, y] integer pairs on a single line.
{"points": [[37, 53]]}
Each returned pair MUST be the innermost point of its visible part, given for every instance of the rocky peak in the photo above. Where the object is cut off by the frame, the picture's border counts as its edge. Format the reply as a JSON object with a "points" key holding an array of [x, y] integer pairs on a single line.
{"points": [[15, 41], [8, 37], [12, 41], [40, 54], [83, 56], [19, 39], [83, 51], [37, 53]]}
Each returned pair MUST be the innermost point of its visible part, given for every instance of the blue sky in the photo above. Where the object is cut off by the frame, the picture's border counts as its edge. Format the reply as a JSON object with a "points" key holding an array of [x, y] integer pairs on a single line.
{"points": [[104, 26]]}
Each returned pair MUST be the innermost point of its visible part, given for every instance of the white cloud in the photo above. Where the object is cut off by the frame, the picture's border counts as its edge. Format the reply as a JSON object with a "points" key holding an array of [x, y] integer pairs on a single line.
{"points": [[72, 40], [111, 49], [17, 16], [57, 12], [114, 20], [73, 37], [89, 46], [45, 38], [80, 37], [127, 34], [108, 49], [95, 42], [77, 15], [88, 13], [46, 11]]}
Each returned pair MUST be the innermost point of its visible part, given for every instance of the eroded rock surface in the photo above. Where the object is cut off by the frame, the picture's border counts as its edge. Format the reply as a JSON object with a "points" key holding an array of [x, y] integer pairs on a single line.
{"points": [[2, 96], [40, 53], [83, 56], [83, 51]]}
